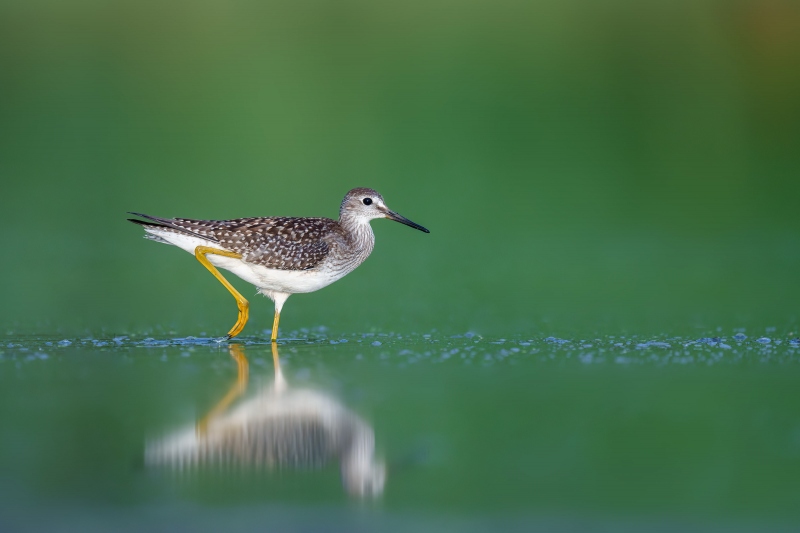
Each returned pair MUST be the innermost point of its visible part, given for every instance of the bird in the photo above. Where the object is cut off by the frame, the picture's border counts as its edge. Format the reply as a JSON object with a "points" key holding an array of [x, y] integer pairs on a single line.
{"points": [[281, 256], [279, 427]]}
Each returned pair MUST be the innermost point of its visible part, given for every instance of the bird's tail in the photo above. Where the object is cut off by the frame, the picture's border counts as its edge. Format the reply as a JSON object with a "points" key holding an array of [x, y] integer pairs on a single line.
{"points": [[163, 224]]}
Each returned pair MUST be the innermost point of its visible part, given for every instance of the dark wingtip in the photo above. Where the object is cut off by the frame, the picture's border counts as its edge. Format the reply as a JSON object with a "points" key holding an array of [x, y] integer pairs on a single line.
{"points": [[158, 222], [151, 220], [147, 223]]}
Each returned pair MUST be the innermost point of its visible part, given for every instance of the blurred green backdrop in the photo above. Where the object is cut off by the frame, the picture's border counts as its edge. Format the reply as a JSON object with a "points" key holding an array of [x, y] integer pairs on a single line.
{"points": [[581, 165]]}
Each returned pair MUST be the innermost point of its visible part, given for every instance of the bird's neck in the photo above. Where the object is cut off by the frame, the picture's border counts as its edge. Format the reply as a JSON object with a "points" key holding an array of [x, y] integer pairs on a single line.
{"points": [[359, 233]]}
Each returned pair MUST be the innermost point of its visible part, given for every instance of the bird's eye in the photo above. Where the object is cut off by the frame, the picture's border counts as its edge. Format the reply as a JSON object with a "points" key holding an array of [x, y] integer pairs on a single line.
{"points": [[367, 201]]}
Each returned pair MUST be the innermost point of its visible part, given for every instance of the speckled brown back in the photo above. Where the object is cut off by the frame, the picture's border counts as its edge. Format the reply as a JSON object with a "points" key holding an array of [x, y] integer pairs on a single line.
{"points": [[282, 243]]}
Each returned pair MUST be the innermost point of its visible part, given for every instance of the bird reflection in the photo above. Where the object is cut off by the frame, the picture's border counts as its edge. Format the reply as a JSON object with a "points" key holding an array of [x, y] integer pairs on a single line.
{"points": [[279, 427]]}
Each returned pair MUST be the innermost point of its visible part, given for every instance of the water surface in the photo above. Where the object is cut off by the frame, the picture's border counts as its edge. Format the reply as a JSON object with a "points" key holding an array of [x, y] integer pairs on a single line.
{"points": [[462, 432]]}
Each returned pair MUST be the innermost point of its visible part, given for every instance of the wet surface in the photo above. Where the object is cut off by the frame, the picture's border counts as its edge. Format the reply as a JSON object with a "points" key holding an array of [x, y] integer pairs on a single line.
{"points": [[469, 348], [418, 430]]}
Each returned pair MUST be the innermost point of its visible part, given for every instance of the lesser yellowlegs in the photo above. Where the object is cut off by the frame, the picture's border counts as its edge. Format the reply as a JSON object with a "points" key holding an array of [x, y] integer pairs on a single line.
{"points": [[281, 256]]}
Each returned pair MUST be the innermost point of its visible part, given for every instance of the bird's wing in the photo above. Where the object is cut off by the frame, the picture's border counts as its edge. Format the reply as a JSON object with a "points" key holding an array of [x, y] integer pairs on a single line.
{"points": [[281, 243]]}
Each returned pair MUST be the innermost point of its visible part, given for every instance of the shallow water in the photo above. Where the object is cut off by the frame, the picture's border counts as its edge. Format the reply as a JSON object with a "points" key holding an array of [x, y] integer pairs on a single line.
{"points": [[611, 189], [596, 433]]}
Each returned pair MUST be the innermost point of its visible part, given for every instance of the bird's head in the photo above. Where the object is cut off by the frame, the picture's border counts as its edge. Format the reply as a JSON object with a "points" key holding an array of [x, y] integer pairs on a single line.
{"points": [[365, 204]]}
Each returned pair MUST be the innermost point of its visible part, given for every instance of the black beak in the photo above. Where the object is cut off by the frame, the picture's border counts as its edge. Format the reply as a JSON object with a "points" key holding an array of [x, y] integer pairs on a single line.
{"points": [[391, 215]]}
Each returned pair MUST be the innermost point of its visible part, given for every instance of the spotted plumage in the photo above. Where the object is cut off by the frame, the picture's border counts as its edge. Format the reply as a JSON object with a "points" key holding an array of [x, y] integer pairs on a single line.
{"points": [[281, 256], [282, 243]]}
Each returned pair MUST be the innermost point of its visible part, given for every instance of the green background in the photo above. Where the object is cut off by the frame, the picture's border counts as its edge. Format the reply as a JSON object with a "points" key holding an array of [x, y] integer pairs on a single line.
{"points": [[578, 163], [596, 175]]}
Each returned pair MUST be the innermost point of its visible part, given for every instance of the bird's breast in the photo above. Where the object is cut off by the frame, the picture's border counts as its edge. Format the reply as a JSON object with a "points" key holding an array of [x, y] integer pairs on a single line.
{"points": [[292, 281]]}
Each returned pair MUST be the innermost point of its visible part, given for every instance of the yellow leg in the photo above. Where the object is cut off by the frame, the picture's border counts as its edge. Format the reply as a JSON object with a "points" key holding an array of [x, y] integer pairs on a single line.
{"points": [[238, 388], [244, 307], [275, 326]]}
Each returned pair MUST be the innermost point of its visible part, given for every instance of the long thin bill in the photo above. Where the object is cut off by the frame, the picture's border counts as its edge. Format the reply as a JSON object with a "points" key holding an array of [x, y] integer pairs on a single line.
{"points": [[391, 215]]}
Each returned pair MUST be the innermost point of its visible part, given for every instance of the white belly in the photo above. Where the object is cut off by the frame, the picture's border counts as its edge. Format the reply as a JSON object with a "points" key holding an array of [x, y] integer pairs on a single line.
{"points": [[267, 280]]}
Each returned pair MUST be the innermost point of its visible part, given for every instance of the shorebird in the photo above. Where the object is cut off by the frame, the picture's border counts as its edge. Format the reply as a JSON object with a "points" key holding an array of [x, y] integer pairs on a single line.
{"points": [[281, 256], [279, 427]]}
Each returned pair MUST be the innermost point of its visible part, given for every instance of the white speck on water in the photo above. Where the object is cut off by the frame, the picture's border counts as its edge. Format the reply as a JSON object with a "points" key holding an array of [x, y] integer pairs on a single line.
{"points": [[376, 343], [654, 344], [724, 346], [739, 337], [764, 340], [65, 342]]}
